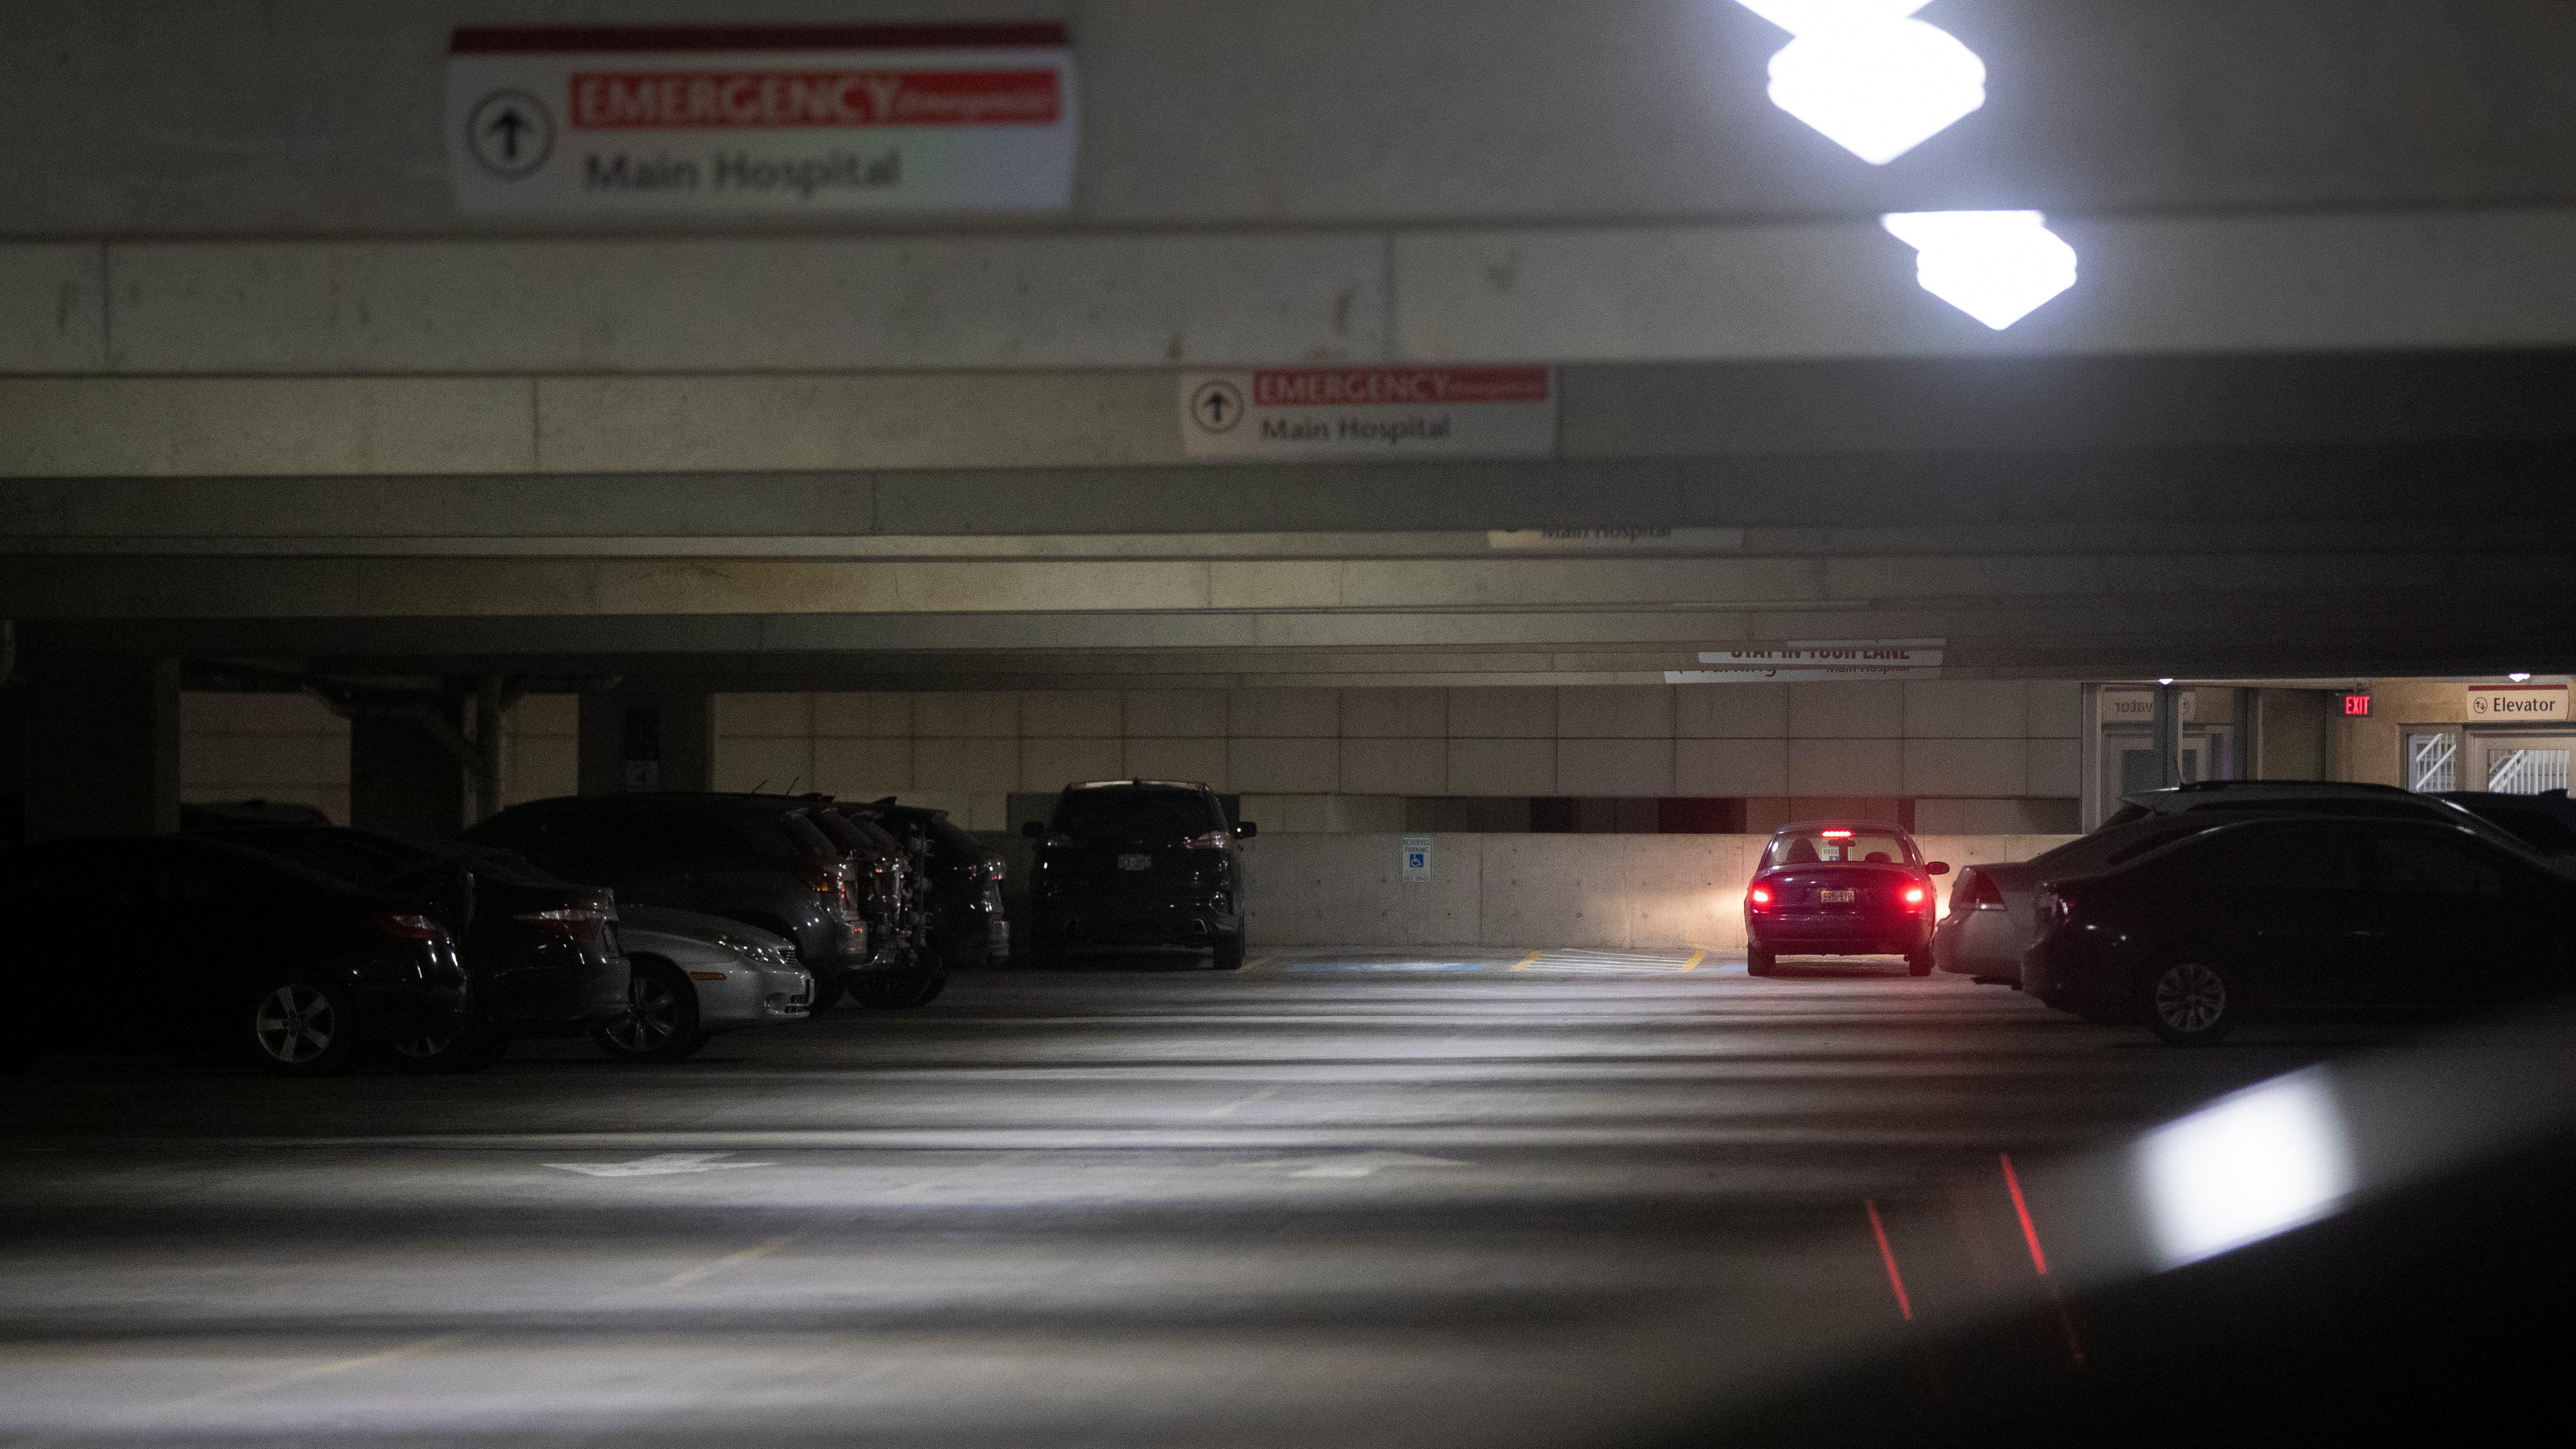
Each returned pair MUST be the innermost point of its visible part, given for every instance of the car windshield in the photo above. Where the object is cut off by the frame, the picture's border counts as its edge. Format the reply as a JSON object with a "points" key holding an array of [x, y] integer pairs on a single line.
{"points": [[1134, 814], [1833, 845]]}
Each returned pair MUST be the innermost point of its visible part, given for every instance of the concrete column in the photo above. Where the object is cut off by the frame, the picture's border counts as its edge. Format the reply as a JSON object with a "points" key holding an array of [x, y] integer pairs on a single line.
{"points": [[2168, 726], [403, 779], [102, 746], [641, 736]]}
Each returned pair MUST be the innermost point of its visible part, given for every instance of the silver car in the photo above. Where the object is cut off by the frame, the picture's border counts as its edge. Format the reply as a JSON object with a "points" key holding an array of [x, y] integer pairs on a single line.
{"points": [[698, 976]]}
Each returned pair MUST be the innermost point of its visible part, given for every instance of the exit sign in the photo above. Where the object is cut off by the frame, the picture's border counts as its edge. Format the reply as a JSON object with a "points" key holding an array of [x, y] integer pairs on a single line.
{"points": [[2356, 705]]}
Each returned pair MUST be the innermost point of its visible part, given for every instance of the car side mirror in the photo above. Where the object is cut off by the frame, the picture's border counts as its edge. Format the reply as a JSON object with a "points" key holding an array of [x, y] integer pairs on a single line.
{"points": [[1246, 831], [1034, 829], [1938, 867]]}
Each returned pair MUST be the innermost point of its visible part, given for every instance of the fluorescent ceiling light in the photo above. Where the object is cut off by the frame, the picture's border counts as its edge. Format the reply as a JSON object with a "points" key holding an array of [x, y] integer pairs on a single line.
{"points": [[2266, 1160], [1996, 266], [1875, 81]]}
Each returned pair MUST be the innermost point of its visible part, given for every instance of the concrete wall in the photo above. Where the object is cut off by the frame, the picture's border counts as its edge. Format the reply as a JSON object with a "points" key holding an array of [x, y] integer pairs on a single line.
{"points": [[1298, 756], [1621, 891], [290, 747]]}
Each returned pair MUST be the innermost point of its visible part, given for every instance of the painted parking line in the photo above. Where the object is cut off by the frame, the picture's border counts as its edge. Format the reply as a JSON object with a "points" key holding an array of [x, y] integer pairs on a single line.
{"points": [[1525, 961], [1696, 957]]}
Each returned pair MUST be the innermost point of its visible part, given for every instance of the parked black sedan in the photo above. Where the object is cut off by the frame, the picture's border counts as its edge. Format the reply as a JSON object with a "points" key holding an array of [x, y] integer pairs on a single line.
{"points": [[201, 943], [1129, 865], [2292, 916], [1840, 888], [541, 950]]}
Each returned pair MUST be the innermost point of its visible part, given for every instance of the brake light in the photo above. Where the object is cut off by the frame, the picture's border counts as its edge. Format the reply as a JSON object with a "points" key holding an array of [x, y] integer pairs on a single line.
{"points": [[1835, 834], [1759, 897], [1213, 840], [1914, 896], [410, 926]]}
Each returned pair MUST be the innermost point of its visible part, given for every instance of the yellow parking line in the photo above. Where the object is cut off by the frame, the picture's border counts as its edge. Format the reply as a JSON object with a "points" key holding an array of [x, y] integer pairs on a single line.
{"points": [[1525, 961], [1696, 957]]}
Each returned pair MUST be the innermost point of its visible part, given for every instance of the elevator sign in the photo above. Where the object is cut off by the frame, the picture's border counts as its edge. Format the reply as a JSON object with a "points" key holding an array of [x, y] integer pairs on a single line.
{"points": [[1287, 413], [768, 119], [2517, 703]]}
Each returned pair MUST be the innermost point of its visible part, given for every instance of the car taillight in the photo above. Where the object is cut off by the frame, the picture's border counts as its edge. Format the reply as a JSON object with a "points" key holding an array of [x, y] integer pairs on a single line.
{"points": [[1759, 897], [832, 883], [2053, 909], [410, 926], [1213, 840], [1914, 896]]}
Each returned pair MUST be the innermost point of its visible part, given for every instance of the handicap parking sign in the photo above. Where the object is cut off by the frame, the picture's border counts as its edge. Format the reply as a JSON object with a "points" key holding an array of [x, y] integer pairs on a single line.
{"points": [[1416, 857]]}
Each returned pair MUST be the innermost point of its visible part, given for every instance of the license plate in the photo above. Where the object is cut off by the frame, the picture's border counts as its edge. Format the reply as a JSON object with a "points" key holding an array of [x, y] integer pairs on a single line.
{"points": [[1135, 862], [1836, 898]]}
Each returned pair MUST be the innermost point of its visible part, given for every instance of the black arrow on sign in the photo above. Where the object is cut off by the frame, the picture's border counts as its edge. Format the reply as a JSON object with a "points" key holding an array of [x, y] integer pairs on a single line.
{"points": [[510, 125]]}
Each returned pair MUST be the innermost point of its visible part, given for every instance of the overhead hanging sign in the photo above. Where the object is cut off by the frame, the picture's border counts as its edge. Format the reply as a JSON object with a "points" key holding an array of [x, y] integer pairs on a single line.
{"points": [[798, 119], [1817, 659], [1369, 412]]}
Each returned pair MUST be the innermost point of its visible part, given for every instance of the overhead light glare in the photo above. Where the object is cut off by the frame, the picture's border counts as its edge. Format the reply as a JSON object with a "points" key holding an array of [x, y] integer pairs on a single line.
{"points": [[1996, 266], [2164, 681], [2517, 678], [1873, 80]]}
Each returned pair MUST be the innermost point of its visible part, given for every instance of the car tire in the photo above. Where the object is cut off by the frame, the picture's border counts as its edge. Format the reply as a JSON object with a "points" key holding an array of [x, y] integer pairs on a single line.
{"points": [[1229, 953], [450, 1056], [2188, 1002], [661, 1020], [297, 1026], [1919, 963], [1759, 961]]}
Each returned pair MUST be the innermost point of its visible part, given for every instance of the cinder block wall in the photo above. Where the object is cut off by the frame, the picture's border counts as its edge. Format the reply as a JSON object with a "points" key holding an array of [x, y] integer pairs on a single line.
{"points": [[1622, 891], [1344, 759], [290, 747]]}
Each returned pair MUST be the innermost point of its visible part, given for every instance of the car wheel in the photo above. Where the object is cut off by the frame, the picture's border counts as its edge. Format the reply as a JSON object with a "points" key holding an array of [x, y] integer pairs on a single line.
{"points": [[661, 1020], [1919, 963], [1759, 961], [2189, 1003], [433, 1056], [1229, 953], [300, 1028]]}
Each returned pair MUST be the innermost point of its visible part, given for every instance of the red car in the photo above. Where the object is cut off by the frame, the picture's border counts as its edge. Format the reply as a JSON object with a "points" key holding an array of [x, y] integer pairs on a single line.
{"points": [[1832, 888]]}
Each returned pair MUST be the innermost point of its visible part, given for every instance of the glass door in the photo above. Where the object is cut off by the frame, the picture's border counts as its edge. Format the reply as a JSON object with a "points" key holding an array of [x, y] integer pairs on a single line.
{"points": [[2523, 764]]}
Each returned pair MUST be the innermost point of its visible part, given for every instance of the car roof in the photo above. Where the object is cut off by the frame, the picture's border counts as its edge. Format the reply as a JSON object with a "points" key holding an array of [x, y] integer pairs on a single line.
{"points": [[1193, 787], [2185, 795]]}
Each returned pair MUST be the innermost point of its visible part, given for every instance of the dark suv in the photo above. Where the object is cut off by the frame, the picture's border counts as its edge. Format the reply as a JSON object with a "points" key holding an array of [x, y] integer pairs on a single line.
{"points": [[750, 858], [965, 879], [1133, 865]]}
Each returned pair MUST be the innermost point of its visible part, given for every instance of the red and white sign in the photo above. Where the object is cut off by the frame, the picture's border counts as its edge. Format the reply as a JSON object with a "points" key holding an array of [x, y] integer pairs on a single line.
{"points": [[761, 118], [1369, 412], [2517, 703]]}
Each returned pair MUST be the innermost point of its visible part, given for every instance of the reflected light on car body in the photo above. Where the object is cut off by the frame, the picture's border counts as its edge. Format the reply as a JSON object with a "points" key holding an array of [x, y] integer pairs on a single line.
{"points": [[2260, 1162]]}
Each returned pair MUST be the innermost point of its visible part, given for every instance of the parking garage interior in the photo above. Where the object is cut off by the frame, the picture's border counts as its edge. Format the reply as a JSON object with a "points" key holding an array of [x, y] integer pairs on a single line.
{"points": [[339, 485]]}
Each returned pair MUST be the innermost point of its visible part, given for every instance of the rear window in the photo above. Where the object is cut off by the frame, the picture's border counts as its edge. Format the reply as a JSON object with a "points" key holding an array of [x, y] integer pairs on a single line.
{"points": [[1834, 847], [2540, 830], [805, 838], [1135, 814]]}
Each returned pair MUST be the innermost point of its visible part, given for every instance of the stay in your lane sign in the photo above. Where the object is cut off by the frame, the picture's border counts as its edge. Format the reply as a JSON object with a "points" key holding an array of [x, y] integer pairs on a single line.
{"points": [[1816, 659], [1290, 413], [794, 119]]}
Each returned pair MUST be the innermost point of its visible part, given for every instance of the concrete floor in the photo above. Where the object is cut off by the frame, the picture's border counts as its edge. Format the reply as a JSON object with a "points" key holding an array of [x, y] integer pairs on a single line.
{"points": [[1467, 1197]]}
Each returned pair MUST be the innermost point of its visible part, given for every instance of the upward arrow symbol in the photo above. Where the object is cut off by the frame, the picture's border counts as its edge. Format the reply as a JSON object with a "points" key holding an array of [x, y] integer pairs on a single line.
{"points": [[509, 126]]}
